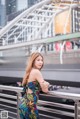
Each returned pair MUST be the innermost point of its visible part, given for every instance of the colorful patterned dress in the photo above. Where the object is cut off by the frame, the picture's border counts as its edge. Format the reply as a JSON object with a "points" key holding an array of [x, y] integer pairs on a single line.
{"points": [[28, 102]]}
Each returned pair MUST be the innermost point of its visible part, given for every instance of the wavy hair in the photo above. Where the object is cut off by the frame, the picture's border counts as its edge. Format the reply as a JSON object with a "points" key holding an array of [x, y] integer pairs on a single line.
{"points": [[30, 66]]}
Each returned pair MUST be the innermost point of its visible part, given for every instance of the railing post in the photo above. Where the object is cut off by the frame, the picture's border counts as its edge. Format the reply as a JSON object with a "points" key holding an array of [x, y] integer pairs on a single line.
{"points": [[18, 117], [77, 109]]}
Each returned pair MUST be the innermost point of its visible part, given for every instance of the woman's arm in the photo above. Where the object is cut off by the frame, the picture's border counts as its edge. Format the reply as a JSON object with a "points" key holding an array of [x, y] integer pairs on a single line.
{"points": [[44, 84]]}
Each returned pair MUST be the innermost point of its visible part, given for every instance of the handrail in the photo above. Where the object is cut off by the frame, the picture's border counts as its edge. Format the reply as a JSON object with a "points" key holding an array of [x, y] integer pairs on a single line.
{"points": [[64, 95], [11, 88], [54, 107], [9, 96], [50, 93], [41, 102]]}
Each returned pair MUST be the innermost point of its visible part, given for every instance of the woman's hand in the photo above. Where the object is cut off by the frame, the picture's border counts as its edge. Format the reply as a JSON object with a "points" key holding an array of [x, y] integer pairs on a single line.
{"points": [[44, 86]]}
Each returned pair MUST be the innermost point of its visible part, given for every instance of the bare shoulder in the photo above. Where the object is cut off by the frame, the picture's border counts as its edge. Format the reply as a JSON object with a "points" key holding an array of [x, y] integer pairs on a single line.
{"points": [[35, 72], [36, 75]]}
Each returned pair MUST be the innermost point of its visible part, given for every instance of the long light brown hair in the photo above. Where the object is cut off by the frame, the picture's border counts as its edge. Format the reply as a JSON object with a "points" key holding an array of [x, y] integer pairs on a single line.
{"points": [[30, 66]]}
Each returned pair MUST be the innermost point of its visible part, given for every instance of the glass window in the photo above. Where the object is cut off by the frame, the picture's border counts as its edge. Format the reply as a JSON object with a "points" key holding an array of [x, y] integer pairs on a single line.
{"points": [[10, 6], [0, 20], [31, 2]]}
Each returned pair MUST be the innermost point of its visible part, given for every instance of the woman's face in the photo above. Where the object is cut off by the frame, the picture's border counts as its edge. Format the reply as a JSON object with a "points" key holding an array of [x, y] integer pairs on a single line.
{"points": [[38, 63]]}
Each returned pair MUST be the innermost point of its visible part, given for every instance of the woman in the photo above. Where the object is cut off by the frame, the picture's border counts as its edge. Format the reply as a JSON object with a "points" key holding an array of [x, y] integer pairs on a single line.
{"points": [[32, 82]]}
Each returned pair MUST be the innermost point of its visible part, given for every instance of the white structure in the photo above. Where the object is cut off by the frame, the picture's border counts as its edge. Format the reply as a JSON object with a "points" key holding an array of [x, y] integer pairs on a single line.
{"points": [[37, 22]]}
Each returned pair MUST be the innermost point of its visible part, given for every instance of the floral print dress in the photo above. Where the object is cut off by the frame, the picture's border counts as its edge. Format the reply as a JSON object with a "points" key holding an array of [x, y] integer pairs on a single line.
{"points": [[28, 103]]}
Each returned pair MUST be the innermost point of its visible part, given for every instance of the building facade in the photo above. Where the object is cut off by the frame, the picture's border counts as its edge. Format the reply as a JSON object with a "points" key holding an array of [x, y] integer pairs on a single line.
{"points": [[76, 19], [2, 13], [15, 7], [32, 2]]}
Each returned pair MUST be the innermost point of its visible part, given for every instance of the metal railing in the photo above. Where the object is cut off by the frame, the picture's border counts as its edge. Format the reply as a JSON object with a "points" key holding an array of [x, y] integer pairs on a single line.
{"points": [[54, 105]]}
